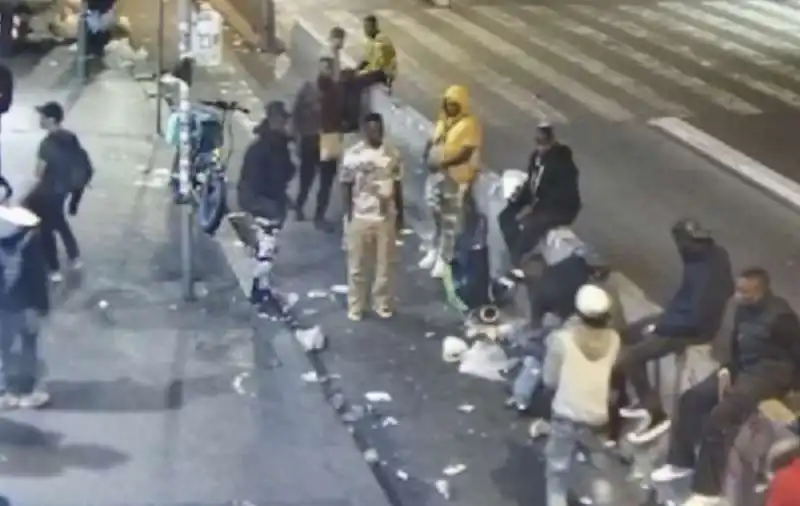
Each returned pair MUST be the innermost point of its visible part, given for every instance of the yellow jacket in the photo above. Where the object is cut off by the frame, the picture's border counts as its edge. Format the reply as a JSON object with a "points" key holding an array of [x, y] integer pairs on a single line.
{"points": [[453, 133], [379, 54]]}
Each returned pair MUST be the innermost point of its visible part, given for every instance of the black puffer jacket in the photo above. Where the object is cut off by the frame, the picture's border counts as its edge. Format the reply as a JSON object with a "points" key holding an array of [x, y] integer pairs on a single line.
{"points": [[23, 273], [557, 190]]}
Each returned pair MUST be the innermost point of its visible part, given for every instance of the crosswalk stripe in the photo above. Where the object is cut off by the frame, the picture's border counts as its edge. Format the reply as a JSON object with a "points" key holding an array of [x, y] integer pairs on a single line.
{"points": [[639, 32], [496, 83], [574, 55], [722, 98], [780, 11], [725, 44], [725, 25], [768, 21], [601, 105]]}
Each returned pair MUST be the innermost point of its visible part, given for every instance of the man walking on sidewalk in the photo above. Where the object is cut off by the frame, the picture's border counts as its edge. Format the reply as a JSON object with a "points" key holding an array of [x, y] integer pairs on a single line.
{"points": [[24, 301], [765, 360], [61, 162], [372, 175]]}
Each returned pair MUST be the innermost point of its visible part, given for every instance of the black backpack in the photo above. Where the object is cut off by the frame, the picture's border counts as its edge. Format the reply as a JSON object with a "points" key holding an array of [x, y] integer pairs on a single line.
{"points": [[77, 165]]}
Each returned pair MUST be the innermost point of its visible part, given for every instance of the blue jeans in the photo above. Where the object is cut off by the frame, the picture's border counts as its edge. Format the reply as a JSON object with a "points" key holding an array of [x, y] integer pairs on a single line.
{"points": [[564, 441], [13, 325]]}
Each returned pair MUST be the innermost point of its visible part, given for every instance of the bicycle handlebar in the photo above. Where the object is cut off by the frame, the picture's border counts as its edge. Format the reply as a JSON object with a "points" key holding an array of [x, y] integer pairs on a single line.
{"points": [[225, 105]]}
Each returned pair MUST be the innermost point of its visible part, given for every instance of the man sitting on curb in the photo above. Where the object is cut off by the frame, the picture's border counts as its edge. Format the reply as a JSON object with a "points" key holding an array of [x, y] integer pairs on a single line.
{"points": [[765, 359], [693, 316]]}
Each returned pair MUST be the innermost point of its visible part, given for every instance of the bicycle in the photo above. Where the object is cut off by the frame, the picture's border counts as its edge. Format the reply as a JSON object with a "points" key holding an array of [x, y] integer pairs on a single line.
{"points": [[210, 126]]}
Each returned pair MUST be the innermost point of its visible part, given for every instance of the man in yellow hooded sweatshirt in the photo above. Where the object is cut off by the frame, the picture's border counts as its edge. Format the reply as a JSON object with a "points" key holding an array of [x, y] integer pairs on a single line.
{"points": [[453, 156]]}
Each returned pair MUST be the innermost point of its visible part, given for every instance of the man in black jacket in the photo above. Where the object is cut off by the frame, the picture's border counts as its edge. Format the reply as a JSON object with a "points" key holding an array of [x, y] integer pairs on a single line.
{"points": [[765, 359], [6, 92], [266, 172], [693, 316], [24, 301], [549, 198]]}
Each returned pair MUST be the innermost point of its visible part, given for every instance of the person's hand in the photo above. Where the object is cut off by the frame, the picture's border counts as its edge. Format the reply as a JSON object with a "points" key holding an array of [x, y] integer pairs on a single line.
{"points": [[723, 382]]}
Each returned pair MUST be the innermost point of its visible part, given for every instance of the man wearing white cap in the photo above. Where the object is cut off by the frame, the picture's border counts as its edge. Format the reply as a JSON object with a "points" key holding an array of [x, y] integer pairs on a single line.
{"points": [[24, 300]]}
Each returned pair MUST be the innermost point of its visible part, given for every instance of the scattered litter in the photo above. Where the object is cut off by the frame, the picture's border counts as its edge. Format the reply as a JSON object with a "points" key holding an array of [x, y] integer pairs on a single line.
{"points": [[398, 242], [453, 349], [406, 231], [402, 475], [291, 299], [317, 294], [354, 414], [443, 487], [389, 421], [309, 311], [484, 360], [586, 500], [371, 456], [310, 377], [378, 396], [311, 339], [103, 304], [466, 408], [430, 335], [580, 457], [238, 383], [339, 289], [454, 470]]}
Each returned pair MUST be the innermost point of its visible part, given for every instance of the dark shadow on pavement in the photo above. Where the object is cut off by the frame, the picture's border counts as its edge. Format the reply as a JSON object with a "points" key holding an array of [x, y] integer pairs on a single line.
{"points": [[31, 452], [128, 395]]}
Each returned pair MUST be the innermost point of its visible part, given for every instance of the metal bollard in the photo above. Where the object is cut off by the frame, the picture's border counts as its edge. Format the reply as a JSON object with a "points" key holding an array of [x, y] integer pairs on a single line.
{"points": [[184, 166]]}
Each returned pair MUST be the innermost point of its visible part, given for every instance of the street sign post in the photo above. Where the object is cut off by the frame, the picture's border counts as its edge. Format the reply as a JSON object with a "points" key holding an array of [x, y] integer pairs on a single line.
{"points": [[207, 37]]}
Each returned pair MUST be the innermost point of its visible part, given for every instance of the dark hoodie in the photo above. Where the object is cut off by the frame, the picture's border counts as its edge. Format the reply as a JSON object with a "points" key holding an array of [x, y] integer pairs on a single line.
{"points": [[23, 273], [266, 172], [698, 307], [6, 88], [557, 189]]}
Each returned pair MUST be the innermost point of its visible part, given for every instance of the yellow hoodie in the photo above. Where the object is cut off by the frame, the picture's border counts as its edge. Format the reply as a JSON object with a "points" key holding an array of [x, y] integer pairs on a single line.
{"points": [[453, 133], [379, 54]]}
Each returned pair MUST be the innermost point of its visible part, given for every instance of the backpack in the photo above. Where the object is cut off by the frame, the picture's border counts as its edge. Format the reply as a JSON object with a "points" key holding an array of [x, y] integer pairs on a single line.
{"points": [[79, 166]]}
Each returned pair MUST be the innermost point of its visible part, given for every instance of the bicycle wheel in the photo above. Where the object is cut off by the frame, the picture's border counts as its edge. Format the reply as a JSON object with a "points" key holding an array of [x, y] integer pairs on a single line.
{"points": [[212, 203]]}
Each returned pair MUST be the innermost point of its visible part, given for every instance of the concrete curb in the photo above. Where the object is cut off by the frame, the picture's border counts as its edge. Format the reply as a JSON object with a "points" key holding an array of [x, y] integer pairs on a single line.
{"points": [[731, 159]]}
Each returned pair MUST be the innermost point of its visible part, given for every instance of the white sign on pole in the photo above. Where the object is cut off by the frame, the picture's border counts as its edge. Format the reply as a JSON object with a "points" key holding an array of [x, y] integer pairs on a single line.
{"points": [[207, 37]]}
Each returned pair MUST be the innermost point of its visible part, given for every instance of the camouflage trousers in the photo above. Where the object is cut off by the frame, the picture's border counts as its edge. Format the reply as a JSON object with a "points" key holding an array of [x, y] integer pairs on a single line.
{"points": [[445, 199]]}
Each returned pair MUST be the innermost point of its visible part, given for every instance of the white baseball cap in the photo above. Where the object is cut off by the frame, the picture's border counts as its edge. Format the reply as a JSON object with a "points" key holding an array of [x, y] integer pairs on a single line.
{"points": [[592, 301]]}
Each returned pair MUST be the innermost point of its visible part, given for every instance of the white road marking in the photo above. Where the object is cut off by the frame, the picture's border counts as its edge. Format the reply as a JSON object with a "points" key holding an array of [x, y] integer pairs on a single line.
{"points": [[788, 10], [680, 48], [601, 105], [752, 56], [747, 12], [734, 160], [718, 96], [574, 55], [496, 83], [726, 25]]}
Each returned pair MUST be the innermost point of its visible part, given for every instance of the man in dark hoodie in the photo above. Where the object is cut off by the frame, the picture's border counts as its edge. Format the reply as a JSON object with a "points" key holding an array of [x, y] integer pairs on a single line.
{"points": [[24, 301], [765, 360], [549, 198], [266, 172], [693, 316], [6, 92]]}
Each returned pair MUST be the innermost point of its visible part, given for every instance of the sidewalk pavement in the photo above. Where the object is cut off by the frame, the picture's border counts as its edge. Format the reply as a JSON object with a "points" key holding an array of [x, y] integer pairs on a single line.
{"points": [[156, 401]]}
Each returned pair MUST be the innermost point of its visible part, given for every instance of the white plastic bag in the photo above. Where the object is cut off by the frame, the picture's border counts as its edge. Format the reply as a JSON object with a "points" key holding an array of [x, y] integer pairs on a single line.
{"points": [[485, 360], [453, 348]]}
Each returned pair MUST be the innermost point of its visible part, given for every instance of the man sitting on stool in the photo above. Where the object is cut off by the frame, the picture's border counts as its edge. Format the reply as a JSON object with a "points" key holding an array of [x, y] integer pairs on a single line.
{"points": [[765, 360], [692, 317]]}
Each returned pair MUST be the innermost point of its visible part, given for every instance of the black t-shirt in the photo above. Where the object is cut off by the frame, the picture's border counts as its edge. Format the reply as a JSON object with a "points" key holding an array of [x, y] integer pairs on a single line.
{"points": [[55, 151]]}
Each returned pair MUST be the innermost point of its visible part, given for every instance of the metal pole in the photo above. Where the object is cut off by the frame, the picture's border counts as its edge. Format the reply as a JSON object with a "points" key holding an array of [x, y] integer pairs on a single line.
{"points": [[160, 68], [82, 51], [184, 168], [269, 37]]}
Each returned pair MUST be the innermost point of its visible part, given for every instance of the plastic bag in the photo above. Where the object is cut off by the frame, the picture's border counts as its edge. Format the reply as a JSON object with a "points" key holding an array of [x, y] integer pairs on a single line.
{"points": [[311, 339], [485, 360]]}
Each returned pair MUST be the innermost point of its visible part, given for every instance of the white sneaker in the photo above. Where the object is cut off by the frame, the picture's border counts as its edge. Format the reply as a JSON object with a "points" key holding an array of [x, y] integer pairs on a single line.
{"points": [[669, 473], [633, 412], [702, 500], [439, 269], [429, 260], [649, 430]]}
